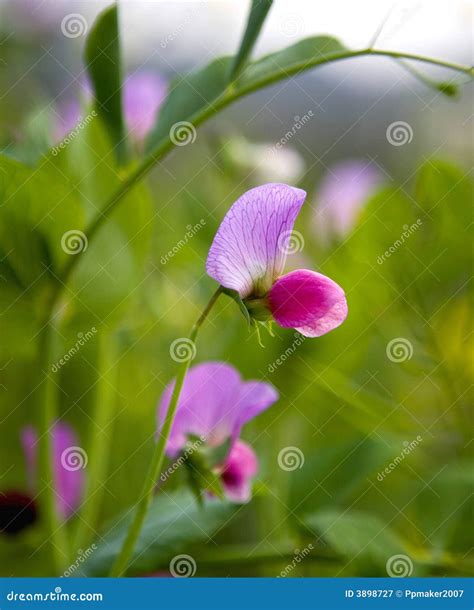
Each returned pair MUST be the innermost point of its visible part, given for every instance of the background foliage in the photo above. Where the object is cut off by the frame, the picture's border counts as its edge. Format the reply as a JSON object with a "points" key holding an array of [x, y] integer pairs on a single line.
{"points": [[346, 405]]}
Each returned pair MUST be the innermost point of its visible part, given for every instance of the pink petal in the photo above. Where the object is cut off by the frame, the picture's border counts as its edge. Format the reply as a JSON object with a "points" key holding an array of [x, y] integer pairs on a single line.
{"points": [[249, 250], [69, 484], [214, 404], [239, 468], [308, 301]]}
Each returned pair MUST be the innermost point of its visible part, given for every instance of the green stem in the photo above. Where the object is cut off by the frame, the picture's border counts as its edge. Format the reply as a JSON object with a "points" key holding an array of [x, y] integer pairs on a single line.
{"points": [[99, 448], [121, 564], [56, 534]]}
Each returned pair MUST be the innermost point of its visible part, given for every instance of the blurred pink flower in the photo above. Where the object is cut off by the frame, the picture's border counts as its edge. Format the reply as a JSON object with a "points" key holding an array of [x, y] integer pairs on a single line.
{"points": [[341, 195], [214, 405], [237, 472], [143, 94], [68, 474], [248, 255]]}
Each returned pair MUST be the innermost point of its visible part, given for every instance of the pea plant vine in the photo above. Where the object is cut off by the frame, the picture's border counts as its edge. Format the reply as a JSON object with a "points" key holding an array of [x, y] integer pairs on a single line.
{"points": [[195, 99]]}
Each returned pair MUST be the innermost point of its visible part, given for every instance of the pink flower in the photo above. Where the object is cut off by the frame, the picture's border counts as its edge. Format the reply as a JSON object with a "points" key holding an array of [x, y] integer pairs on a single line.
{"points": [[214, 405], [341, 195], [248, 255], [68, 477], [143, 94], [237, 472]]}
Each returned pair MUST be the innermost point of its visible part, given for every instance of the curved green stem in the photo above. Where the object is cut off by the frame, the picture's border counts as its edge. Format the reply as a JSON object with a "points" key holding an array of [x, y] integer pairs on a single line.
{"points": [[120, 566], [229, 96]]}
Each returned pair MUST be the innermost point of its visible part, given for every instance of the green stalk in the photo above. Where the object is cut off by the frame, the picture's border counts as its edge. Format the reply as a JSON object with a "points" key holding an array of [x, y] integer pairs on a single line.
{"points": [[123, 560], [57, 538], [99, 448]]}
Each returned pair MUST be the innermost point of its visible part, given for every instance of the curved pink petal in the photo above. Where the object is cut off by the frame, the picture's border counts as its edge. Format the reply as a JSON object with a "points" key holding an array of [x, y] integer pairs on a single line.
{"points": [[214, 404], [68, 483], [249, 250], [238, 471], [308, 301]]}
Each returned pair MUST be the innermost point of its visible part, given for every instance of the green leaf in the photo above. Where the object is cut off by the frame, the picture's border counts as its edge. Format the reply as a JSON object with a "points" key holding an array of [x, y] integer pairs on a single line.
{"points": [[37, 206], [360, 537], [174, 523], [112, 268], [188, 96], [206, 91], [292, 60], [332, 475], [257, 15], [103, 62]]}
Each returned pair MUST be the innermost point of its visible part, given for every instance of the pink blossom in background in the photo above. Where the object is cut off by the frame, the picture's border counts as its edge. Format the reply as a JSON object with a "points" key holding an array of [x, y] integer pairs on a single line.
{"points": [[214, 405], [142, 95], [68, 478], [341, 195], [248, 255]]}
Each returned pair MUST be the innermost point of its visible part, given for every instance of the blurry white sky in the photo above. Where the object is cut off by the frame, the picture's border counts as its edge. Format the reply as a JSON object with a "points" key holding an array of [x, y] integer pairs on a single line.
{"points": [[203, 28]]}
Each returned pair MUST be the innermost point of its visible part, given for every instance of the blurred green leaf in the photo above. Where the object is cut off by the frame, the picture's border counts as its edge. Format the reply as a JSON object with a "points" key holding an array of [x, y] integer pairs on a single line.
{"points": [[258, 13], [294, 59], [112, 266], [443, 507], [360, 537], [102, 58], [173, 524], [208, 88], [331, 475]]}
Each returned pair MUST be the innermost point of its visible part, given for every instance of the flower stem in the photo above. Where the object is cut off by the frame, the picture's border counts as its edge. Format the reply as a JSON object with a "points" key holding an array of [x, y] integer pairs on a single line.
{"points": [[121, 564], [99, 447], [56, 534]]}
